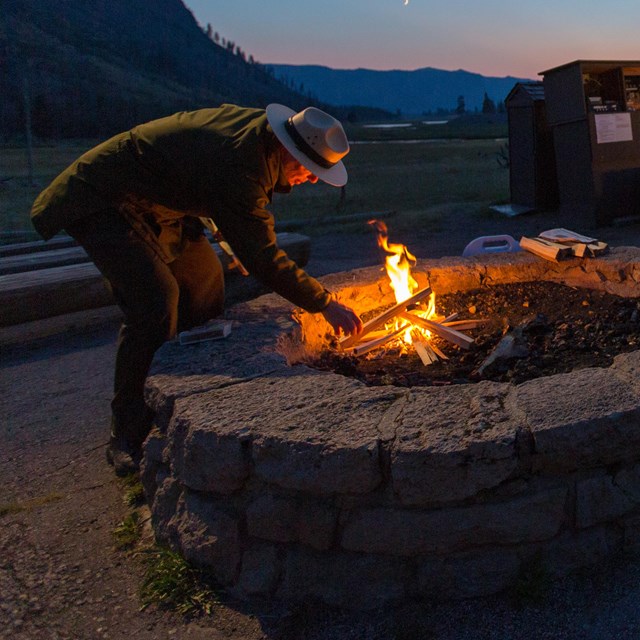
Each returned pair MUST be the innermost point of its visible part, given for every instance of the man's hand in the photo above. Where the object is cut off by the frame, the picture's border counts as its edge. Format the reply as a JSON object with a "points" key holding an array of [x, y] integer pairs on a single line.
{"points": [[342, 318]]}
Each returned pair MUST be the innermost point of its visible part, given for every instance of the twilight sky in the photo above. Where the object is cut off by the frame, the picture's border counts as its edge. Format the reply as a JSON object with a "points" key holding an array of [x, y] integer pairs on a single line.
{"points": [[491, 37]]}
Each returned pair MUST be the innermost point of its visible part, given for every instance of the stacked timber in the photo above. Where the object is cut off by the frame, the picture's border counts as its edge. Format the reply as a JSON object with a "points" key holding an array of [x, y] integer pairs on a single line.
{"points": [[45, 279]]}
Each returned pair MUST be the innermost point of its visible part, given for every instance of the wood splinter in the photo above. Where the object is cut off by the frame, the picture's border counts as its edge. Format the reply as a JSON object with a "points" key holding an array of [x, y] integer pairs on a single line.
{"points": [[365, 347], [380, 320], [451, 335], [425, 351]]}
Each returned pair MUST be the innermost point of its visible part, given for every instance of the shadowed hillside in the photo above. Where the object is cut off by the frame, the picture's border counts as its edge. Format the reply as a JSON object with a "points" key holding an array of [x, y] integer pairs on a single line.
{"points": [[90, 68]]}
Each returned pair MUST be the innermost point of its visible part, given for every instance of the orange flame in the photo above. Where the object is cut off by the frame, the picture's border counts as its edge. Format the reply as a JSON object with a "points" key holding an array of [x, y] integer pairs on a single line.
{"points": [[398, 263]]}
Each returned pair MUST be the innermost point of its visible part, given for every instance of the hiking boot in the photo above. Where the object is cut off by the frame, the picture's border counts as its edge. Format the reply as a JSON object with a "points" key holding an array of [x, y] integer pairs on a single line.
{"points": [[123, 456]]}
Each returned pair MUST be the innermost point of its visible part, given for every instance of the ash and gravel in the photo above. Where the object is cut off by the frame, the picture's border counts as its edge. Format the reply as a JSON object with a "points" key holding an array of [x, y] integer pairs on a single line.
{"points": [[60, 576], [554, 328]]}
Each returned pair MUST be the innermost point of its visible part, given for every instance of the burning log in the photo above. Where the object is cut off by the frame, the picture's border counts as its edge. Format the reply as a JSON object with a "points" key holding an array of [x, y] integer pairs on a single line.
{"points": [[438, 352], [425, 352], [414, 320], [365, 347], [380, 320], [451, 335]]}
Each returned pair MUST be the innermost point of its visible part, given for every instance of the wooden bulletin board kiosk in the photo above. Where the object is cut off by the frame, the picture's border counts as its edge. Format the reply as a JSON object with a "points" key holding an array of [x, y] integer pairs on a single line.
{"points": [[593, 109]]}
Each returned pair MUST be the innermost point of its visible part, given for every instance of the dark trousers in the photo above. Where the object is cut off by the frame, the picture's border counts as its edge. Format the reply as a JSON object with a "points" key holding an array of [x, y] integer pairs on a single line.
{"points": [[158, 299]]}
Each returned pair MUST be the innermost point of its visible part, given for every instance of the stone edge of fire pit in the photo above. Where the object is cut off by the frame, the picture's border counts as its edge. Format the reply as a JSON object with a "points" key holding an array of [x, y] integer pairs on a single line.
{"points": [[295, 483]]}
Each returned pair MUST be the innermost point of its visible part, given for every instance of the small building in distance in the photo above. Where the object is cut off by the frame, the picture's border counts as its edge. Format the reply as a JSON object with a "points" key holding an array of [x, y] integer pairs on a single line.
{"points": [[593, 109], [574, 141], [532, 167]]}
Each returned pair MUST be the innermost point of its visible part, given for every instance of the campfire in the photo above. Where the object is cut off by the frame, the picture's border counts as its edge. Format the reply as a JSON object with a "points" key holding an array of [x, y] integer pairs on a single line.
{"points": [[412, 321]]}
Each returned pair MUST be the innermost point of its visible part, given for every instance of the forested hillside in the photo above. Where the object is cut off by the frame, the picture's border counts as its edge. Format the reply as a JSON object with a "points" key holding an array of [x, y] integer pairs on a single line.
{"points": [[91, 68]]}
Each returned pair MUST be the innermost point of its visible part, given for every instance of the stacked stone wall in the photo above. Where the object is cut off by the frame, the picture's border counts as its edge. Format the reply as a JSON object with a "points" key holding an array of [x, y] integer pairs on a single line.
{"points": [[296, 484]]}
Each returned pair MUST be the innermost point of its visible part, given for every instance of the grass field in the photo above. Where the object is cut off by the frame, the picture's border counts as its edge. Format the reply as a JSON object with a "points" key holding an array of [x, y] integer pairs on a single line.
{"points": [[16, 192], [414, 179]]}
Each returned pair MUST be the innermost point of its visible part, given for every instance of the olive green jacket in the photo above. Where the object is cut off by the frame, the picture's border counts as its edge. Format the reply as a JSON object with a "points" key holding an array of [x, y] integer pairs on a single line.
{"points": [[220, 163]]}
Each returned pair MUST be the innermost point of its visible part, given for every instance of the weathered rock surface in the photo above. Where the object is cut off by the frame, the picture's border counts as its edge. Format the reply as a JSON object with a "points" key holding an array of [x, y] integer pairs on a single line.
{"points": [[298, 484]]}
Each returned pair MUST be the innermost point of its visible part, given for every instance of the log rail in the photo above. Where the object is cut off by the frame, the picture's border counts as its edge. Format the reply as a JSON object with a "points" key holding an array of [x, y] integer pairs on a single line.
{"points": [[44, 279]]}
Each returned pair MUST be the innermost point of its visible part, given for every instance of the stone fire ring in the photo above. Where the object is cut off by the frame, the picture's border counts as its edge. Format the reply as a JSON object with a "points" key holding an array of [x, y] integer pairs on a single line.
{"points": [[301, 485]]}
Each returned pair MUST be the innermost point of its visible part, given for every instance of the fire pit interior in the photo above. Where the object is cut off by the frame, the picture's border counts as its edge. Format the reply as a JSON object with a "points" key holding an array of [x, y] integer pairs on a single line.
{"points": [[532, 329], [521, 330]]}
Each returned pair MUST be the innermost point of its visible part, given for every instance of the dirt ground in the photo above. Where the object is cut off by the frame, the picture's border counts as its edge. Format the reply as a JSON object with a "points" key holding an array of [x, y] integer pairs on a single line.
{"points": [[60, 576]]}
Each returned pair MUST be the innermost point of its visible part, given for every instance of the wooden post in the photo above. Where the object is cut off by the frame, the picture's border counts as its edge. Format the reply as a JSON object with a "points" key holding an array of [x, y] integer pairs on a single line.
{"points": [[27, 128]]}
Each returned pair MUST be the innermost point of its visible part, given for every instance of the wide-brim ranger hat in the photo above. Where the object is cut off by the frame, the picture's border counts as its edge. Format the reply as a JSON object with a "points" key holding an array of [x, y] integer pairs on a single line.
{"points": [[314, 138]]}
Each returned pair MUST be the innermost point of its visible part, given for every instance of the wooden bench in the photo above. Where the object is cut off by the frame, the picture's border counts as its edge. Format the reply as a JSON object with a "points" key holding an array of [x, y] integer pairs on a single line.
{"points": [[21, 262], [44, 283], [19, 248]]}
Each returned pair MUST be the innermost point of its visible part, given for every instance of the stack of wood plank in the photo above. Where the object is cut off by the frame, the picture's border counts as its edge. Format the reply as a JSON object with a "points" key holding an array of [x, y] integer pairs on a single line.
{"points": [[560, 244]]}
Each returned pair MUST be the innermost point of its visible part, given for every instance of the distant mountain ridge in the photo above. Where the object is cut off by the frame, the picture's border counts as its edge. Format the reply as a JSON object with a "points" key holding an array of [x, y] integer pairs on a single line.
{"points": [[92, 68], [410, 92]]}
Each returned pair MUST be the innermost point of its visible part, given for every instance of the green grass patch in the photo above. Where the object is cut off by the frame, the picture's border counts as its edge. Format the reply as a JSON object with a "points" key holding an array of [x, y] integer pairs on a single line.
{"points": [[128, 533], [405, 178], [27, 505], [133, 490], [171, 583]]}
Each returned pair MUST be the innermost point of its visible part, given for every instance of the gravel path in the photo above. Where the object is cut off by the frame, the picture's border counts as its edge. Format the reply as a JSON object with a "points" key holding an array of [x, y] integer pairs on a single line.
{"points": [[60, 576]]}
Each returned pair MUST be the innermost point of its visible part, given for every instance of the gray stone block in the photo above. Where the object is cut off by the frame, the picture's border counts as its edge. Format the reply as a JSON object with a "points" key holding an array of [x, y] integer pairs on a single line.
{"points": [[580, 419], [208, 537], [316, 433], [631, 528], [346, 580], [629, 482], [572, 550], [301, 429], [164, 511], [283, 519], [407, 533], [185, 370], [483, 573], [600, 500], [260, 570], [626, 368], [452, 443], [204, 458], [152, 463]]}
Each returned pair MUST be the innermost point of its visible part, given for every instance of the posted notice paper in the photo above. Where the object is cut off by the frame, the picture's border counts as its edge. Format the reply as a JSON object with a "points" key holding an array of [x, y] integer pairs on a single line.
{"points": [[613, 127]]}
